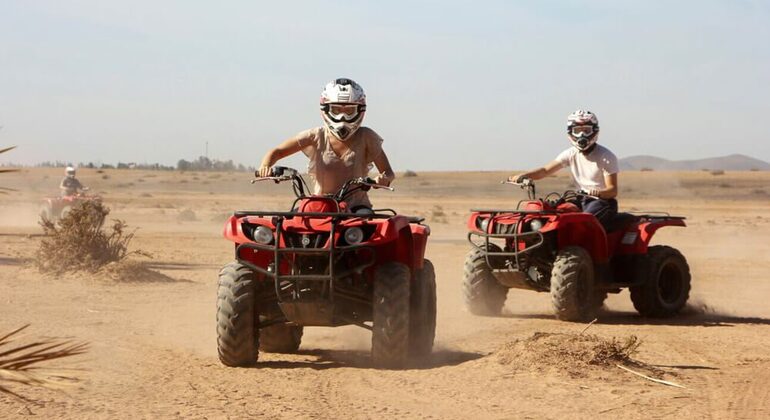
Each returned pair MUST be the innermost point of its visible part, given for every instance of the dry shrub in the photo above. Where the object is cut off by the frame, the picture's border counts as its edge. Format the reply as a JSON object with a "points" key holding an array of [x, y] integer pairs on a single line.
{"points": [[186, 215], [437, 214], [105, 176], [409, 173], [717, 172], [645, 169], [572, 353], [20, 362], [79, 242]]}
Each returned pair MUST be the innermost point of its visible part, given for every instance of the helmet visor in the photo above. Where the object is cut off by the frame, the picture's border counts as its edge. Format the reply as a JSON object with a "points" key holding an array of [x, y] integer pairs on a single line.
{"points": [[582, 130], [343, 112]]}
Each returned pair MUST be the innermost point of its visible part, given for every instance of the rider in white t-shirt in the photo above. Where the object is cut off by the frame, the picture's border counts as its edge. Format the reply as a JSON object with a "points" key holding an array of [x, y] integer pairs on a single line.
{"points": [[594, 167]]}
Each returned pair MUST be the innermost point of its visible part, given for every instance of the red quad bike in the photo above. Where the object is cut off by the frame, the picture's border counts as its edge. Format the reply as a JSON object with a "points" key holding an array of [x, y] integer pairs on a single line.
{"points": [[550, 245], [321, 264], [55, 208]]}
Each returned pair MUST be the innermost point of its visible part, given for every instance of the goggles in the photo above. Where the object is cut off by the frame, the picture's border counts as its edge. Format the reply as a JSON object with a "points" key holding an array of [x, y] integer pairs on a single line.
{"points": [[582, 130], [342, 112]]}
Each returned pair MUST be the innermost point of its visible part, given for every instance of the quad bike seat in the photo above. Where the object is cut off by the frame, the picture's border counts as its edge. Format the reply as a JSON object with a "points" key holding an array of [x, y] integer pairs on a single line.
{"points": [[621, 221]]}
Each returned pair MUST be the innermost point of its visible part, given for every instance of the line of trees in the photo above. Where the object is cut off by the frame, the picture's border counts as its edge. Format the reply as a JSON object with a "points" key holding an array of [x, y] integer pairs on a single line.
{"points": [[202, 164]]}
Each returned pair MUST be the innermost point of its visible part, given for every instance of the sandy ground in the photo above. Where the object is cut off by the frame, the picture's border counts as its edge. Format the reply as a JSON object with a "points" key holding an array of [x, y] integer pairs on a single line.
{"points": [[153, 350]]}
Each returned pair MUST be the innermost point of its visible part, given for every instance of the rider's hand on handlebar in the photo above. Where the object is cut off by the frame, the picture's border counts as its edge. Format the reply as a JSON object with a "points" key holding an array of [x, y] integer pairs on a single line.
{"points": [[263, 172], [518, 179]]}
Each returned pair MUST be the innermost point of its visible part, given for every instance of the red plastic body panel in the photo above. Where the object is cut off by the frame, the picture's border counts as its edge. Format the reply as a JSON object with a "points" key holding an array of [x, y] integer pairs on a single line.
{"points": [[636, 238], [393, 239]]}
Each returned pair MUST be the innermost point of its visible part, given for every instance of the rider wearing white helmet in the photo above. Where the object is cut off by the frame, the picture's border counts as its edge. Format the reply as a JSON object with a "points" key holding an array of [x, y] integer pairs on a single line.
{"points": [[341, 149], [594, 168], [70, 185]]}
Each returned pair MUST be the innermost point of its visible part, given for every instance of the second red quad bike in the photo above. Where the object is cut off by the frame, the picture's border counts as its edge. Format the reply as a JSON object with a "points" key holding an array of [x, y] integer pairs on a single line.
{"points": [[55, 208], [321, 264], [550, 245]]}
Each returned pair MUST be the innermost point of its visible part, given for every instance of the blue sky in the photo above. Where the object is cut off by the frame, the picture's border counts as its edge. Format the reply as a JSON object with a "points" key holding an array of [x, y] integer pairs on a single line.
{"points": [[451, 84]]}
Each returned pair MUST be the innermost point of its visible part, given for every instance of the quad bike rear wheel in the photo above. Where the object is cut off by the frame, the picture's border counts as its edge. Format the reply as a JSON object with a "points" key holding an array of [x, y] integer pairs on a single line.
{"points": [[280, 338], [482, 293], [422, 313], [667, 285], [237, 321], [573, 292], [390, 330]]}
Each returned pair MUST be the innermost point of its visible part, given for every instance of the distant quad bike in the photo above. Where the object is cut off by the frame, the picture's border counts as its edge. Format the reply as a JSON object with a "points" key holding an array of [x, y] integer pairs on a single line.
{"points": [[55, 208], [549, 245], [322, 265]]}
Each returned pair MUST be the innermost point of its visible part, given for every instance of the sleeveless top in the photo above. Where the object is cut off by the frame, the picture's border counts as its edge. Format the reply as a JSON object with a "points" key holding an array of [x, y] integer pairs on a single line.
{"points": [[329, 170]]}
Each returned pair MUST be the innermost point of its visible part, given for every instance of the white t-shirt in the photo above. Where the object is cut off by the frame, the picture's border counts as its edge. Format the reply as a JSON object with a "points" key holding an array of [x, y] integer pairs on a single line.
{"points": [[589, 171]]}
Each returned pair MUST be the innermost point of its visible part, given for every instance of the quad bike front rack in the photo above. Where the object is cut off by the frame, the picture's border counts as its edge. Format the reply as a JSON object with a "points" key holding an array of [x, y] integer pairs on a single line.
{"points": [[310, 312]]}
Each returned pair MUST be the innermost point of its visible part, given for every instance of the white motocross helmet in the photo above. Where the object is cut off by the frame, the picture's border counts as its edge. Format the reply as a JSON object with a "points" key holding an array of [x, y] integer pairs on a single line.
{"points": [[583, 129], [70, 171], [343, 105]]}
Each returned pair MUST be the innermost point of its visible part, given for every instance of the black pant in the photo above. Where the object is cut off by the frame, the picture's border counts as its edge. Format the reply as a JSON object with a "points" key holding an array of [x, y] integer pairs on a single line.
{"points": [[604, 210]]}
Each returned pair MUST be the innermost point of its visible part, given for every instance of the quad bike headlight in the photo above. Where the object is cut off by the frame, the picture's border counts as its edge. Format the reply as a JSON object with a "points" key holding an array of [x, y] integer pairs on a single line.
{"points": [[535, 225], [354, 235], [263, 235], [482, 223]]}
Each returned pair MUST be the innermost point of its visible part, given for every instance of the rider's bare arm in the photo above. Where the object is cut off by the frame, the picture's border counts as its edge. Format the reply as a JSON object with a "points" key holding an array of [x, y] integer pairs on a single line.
{"points": [[287, 148], [386, 175], [549, 169], [611, 191]]}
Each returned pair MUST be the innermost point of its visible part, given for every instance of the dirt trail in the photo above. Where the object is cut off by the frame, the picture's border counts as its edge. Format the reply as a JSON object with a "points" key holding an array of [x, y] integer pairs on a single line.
{"points": [[154, 355]]}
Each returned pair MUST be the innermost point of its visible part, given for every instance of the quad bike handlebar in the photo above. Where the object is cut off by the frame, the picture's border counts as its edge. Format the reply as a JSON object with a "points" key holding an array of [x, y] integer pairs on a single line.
{"points": [[280, 174]]}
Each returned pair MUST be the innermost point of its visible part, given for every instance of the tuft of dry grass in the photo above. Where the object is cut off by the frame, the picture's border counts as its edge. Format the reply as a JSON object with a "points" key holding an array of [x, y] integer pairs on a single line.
{"points": [[574, 354], [20, 364], [78, 241]]}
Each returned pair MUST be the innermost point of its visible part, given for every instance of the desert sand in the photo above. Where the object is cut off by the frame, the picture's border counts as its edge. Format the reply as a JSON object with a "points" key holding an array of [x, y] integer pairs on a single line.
{"points": [[153, 341]]}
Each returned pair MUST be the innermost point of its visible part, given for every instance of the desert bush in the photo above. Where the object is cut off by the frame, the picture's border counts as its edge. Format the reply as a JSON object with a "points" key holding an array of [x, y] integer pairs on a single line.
{"points": [[437, 214], [105, 176], [646, 169], [717, 172], [20, 362], [79, 242], [409, 173], [724, 185], [186, 215]]}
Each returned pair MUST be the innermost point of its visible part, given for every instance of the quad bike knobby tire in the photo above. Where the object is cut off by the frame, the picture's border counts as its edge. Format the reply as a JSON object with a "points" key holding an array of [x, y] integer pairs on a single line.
{"points": [[482, 293], [390, 329], [45, 213], [667, 285], [237, 321], [280, 338], [573, 295], [422, 312]]}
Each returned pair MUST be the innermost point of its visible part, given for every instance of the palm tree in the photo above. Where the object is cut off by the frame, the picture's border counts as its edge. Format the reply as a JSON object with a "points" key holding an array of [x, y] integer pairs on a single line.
{"points": [[4, 190], [20, 362]]}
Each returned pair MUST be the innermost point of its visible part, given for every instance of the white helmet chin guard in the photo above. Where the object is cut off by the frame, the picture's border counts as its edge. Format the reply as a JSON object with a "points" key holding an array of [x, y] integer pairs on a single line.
{"points": [[70, 171], [583, 129], [343, 105]]}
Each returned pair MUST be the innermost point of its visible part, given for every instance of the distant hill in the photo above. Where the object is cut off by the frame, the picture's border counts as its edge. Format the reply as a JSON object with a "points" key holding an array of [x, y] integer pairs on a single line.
{"points": [[725, 163]]}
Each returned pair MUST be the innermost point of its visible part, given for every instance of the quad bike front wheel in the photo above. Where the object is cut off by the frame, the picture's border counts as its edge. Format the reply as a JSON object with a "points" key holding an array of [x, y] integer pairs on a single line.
{"points": [[280, 338], [573, 292], [482, 293], [422, 312], [45, 212], [667, 284], [237, 321], [390, 329]]}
